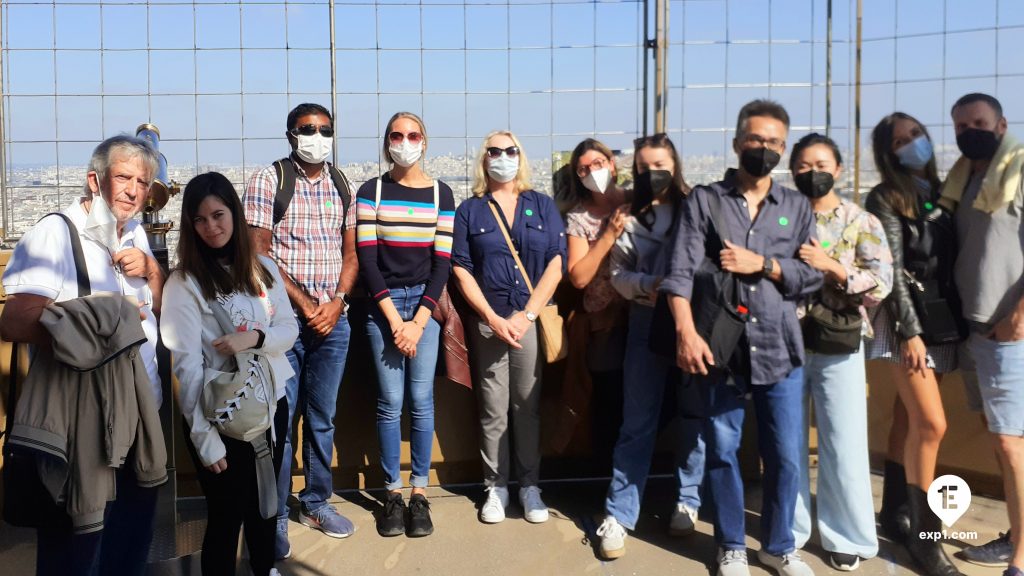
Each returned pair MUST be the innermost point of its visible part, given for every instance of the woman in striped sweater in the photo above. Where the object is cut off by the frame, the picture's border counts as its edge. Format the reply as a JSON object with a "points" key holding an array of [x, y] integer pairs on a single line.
{"points": [[404, 234]]}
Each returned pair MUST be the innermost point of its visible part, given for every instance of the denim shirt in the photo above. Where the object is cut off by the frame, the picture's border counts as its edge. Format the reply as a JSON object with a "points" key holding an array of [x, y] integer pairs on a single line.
{"points": [[479, 247], [784, 223]]}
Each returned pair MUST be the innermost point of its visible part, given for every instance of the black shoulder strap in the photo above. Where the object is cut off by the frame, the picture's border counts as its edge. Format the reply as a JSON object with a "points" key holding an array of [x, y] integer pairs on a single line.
{"points": [[81, 270], [84, 289], [285, 170], [285, 187], [343, 188]]}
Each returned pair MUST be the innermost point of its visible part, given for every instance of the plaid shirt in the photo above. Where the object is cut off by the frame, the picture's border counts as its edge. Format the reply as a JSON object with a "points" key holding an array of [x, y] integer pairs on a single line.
{"points": [[307, 241]]}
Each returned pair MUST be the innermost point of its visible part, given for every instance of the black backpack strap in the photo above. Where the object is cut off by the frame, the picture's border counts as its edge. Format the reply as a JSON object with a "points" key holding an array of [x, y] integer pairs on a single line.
{"points": [[12, 390], [285, 170], [285, 187], [81, 270], [343, 187]]}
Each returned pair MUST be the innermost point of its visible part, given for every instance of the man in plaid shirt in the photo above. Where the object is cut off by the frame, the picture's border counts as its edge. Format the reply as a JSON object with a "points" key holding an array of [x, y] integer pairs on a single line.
{"points": [[314, 245]]}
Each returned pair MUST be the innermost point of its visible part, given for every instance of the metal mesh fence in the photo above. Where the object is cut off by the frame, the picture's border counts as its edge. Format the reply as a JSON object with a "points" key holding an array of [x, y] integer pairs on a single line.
{"points": [[218, 77]]}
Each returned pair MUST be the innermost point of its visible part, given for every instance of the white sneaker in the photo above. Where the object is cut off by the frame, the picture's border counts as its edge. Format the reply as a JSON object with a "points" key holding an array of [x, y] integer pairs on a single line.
{"points": [[786, 565], [684, 520], [732, 563], [493, 510], [534, 509], [613, 538]]}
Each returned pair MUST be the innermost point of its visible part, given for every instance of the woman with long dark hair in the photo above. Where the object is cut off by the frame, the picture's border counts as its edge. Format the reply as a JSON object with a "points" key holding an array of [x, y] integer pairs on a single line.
{"points": [[405, 242], [639, 261], [218, 265], [905, 201]]}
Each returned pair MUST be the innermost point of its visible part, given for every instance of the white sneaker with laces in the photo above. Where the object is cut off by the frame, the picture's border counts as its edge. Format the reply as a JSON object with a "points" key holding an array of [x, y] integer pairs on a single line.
{"points": [[732, 563], [493, 510], [534, 509], [684, 521], [786, 565], [613, 538]]}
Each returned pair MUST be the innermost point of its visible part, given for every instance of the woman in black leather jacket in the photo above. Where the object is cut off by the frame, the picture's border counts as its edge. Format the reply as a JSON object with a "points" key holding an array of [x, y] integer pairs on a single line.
{"points": [[905, 199]]}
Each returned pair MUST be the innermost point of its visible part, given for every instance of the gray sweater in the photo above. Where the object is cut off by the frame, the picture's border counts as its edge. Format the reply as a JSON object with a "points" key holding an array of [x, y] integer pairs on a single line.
{"points": [[86, 402]]}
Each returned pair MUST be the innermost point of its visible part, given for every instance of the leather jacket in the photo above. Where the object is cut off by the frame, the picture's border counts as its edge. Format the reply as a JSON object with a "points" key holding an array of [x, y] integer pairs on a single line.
{"points": [[924, 247]]}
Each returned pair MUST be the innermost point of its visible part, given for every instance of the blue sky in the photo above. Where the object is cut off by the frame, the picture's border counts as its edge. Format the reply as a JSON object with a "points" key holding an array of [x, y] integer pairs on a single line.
{"points": [[219, 78]]}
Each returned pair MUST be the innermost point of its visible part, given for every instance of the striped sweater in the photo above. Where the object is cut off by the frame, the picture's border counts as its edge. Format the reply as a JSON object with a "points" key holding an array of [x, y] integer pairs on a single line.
{"points": [[406, 240]]}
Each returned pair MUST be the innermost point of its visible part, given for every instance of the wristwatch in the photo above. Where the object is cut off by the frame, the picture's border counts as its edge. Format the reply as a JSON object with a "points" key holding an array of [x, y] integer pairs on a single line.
{"points": [[769, 267], [530, 316], [339, 295]]}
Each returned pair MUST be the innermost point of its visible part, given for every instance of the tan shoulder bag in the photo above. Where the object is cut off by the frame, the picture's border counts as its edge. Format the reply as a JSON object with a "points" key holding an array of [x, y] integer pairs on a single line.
{"points": [[550, 327]]}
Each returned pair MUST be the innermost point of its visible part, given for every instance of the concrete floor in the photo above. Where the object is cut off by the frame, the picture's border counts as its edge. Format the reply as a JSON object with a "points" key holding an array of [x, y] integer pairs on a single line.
{"points": [[461, 545]]}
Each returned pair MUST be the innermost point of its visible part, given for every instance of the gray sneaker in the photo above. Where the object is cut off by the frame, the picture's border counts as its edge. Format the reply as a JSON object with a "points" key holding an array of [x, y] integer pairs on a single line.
{"points": [[683, 522], [786, 565], [732, 563]]}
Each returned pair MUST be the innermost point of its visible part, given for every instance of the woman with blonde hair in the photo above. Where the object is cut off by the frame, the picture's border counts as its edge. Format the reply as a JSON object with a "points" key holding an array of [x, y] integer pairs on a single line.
{"points": [[404, 233], [507, 298]]}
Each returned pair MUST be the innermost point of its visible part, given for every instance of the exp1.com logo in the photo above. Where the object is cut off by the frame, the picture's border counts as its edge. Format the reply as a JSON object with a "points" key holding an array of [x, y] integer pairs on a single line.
{"points": [[949, 497]]}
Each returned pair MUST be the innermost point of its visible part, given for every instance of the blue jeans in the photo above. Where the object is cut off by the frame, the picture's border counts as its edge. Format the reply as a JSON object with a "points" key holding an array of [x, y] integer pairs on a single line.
{"points": [[397, 375], [122, 547], [846, 518], [1001, 383], [780, 414], [646, 376], [319, 364]]}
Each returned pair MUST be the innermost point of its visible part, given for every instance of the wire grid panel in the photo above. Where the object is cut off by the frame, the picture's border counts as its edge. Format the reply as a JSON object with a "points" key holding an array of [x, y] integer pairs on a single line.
{"points": [[218, 79]]}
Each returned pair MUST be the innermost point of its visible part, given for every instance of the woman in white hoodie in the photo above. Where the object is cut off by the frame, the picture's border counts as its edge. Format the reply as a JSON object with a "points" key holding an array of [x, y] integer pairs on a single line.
{"points": [[217, 261]]}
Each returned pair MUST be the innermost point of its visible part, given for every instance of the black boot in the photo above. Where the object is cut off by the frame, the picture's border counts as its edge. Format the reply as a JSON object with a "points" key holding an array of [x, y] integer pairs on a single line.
{"points": [[894, 516], [928, 554]]}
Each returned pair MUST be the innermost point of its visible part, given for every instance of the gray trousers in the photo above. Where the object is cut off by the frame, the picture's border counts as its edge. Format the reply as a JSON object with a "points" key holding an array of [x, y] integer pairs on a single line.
{"points": [[507, 377]]}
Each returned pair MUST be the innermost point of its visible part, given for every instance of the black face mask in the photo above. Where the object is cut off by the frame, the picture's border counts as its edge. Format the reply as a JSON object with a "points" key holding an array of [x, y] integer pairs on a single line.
{"points": [[978, 144], [814, 184], [759, 162], [648, 186]]}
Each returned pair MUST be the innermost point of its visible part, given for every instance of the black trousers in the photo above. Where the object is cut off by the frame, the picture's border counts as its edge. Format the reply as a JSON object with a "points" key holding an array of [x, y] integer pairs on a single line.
{"points": [[232, 503]]}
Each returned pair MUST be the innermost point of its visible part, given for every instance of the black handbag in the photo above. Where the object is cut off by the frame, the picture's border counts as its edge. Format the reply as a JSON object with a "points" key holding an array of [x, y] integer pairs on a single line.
{"points": [[928, 274], [716, 316], [27, 501], [828, 331]]}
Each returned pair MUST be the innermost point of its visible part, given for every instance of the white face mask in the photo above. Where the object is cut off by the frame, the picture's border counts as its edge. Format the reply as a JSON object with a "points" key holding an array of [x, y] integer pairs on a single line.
{"points": [[597, 180], [314, 149], [503, 169], [406, 154], [101, 224]]}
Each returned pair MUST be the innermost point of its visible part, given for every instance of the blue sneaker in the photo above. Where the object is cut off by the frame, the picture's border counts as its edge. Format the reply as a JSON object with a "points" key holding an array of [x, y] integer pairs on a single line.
{"points": [[328, 521], [282, 549]]}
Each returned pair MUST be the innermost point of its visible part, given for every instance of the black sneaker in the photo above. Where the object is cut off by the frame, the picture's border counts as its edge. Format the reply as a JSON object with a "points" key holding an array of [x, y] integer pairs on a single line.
{"points": [[844, 562], [419, 517], [994, 553], [391, 521]]}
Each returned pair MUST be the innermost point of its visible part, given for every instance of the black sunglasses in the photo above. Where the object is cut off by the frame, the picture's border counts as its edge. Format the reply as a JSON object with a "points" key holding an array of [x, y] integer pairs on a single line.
{"points": [[495, 152], [310, 129]]}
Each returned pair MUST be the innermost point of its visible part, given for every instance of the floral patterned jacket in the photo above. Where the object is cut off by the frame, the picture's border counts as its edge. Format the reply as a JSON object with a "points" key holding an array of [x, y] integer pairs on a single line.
{"points": [[856, 240]]}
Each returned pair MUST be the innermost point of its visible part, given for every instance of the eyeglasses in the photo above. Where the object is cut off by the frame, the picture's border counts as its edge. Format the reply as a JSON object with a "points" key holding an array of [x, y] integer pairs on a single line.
{"points": [[310, 129], [583, 169], [776, 144], [412, 137], [495, 152]]}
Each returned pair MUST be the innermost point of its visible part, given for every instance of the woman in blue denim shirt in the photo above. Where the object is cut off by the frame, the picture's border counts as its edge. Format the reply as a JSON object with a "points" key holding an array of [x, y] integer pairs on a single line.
{"points": [[503, 336]]}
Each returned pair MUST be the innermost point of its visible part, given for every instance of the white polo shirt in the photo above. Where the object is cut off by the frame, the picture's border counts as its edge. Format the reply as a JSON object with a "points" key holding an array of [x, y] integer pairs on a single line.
{"points": [[43, 264]]}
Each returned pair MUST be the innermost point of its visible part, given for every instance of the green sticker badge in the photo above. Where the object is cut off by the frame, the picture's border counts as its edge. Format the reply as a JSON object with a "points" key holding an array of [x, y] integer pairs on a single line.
{"points": [[411, 211], [529, 212], [329, 204], [826, 244], [928, 205], [783, 221]]}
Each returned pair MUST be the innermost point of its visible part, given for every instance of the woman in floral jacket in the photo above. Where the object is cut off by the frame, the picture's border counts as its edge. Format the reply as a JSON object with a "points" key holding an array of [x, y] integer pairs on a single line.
{"points": [[852, 251]]}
